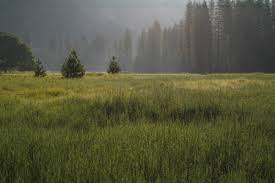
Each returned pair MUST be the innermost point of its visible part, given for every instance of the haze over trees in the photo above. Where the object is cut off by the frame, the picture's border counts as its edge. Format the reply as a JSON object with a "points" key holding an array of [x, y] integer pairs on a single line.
{"points": [[213, 36], [222, 36]]}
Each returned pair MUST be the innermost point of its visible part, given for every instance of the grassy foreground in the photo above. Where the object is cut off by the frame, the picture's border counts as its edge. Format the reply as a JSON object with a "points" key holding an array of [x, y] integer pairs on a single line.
{"points": [[137, 128]]}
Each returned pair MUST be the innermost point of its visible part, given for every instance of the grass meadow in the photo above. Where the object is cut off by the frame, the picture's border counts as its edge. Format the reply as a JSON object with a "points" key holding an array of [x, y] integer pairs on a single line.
{"points": [[137, 128]]}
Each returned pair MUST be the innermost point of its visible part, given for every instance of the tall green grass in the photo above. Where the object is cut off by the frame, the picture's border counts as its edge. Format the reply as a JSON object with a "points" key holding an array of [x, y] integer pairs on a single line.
{"points": [[137, 128]]}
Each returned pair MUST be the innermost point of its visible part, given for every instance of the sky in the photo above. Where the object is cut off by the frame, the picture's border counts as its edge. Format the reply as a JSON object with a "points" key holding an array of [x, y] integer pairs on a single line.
{"points": [[77, 17]]}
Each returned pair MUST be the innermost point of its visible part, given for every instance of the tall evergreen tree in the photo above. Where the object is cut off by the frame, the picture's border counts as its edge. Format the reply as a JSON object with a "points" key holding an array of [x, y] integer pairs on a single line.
{"points": [[203, 38], [126, 51], [188, 35], [141, 58], [128, 47], [220, 35], [154, 47]]}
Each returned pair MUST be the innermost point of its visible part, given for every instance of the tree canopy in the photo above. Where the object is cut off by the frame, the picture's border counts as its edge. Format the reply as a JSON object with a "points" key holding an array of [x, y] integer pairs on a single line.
{"points": [[14, 54]]}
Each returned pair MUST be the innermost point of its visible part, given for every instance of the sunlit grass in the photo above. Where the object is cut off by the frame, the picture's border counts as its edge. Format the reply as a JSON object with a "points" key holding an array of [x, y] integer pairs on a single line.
{"points": [[137, 128]]}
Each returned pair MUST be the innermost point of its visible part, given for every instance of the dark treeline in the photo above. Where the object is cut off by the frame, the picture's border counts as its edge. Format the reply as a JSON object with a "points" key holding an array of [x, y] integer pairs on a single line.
{"points": [[223, 36]]}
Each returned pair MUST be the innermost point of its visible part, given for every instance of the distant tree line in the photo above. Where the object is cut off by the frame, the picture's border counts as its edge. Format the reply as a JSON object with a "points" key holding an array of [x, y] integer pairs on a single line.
{"points": [[222, 36], [17, 55], [213, 37]]}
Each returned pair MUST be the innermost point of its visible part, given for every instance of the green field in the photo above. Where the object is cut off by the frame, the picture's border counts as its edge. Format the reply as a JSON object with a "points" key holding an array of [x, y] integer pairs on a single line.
{"points": [[137, 128]]}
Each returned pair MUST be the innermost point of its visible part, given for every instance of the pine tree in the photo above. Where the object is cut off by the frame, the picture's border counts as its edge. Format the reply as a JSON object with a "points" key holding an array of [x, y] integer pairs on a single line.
{"points": [[141, 58], [213, 54], [72, 68], [128, 49], [39, 70], [188, 35], [113, 67], [202, 38], [154, 47], [165, 51], [220, 35], [181, 49]]}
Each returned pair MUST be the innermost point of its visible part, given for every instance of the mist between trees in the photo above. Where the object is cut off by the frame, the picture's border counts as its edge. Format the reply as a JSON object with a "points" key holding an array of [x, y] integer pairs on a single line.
{"points": [[215, 36]]}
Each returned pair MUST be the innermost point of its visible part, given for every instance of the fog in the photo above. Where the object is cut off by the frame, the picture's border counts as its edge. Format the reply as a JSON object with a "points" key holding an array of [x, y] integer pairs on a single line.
{"points": [[43, 18], [147, 36]]}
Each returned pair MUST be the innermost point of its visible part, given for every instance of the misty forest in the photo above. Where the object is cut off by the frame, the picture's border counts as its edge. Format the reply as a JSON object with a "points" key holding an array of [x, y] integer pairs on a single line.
{"points": [[216, 36], [134, 91]]}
